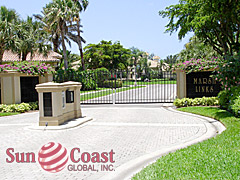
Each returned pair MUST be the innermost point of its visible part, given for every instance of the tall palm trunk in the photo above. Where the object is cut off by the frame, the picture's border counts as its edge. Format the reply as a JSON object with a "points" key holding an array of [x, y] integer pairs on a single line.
{"points": [[1, 55], [80, 44], [55, 41], [64, 48], [24, 56]]}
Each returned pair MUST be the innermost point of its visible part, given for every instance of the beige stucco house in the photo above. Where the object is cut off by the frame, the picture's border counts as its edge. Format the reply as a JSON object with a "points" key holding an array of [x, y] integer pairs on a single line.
{"points": [[16, 87]]}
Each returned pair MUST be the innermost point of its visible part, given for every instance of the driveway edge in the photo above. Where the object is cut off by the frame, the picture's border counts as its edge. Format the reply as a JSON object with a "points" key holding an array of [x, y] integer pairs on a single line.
{"points": [[68, 125], [127, 170]]}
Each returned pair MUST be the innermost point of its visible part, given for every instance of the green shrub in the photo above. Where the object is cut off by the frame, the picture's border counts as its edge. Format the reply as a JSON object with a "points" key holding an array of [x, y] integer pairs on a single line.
{"points": [[23, 107], [101, 75], [88, 84], [204, 101], [228, 72], [229, 99], [112, 84], [184, 102], [87, 78], [223, 99], [34, 105], [235, 108]]}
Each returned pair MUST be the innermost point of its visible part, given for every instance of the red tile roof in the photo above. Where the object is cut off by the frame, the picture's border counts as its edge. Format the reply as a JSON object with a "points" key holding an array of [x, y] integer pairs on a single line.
{"points": [[52, 56]]}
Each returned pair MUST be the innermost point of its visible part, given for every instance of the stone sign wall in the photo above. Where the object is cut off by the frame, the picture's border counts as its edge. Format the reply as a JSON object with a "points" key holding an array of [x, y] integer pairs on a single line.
{"points": [[199, 84]]}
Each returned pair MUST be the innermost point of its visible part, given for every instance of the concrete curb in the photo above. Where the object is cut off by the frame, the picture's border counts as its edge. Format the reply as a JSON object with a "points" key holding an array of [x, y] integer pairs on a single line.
{"points": [[127, 170], [68, 125]]}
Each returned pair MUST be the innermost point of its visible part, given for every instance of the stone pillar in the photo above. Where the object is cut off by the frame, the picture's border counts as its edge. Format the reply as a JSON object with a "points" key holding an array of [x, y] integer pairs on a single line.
{"points": [[10, 87], [58, 102], [181, 84]]}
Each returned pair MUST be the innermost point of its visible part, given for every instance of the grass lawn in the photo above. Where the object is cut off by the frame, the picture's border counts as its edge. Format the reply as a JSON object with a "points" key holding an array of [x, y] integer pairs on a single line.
{"points": [[151, 82], [216, 158], [98, 89], [105, 93], [8, 114]]}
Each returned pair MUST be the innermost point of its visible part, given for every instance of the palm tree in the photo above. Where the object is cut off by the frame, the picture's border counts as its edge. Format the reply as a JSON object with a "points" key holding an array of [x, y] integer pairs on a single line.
{"points": [[82, 5], [77, 38], [171, 59], [137, 54], [29, 37], [53, 36], [58, 14], [7, 18]]}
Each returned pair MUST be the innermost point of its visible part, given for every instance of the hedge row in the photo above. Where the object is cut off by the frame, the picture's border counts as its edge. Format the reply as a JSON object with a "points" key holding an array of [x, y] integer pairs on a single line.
{"points": [[21, 108], [227, 99], [204, 101]]}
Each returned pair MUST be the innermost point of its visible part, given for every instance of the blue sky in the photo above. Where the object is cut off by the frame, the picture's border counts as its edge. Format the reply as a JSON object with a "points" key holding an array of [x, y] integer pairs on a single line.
{"points": [[132, 22]]}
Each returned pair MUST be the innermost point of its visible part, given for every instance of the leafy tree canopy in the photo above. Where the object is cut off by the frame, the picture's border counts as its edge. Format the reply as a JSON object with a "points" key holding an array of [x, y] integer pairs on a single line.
{"points": [[196, 49], [107, 54], [215, 22]]}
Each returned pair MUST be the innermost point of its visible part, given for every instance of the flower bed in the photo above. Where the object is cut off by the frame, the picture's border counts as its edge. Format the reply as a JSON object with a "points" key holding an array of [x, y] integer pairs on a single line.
{"points": [[195, 65], [29, 68]]}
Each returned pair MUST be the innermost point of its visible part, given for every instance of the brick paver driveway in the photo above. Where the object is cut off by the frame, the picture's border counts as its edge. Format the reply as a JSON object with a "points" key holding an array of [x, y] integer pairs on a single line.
{"points": [[131, 131]]}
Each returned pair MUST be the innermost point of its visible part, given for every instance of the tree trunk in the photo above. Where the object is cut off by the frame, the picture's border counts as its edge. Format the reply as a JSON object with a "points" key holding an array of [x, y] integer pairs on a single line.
{"points": [[64, 49], [80, 44], [1, 55], [24, 56], [55, 42]]}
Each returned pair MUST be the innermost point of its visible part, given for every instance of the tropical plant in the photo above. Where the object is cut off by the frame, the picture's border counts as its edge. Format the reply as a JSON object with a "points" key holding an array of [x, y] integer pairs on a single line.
{"points": [[136, 55], [143, 67], [53, 35], [57, 15], [171, 59], [82, 5], [72, 58], [7, 18], [29, 37]]}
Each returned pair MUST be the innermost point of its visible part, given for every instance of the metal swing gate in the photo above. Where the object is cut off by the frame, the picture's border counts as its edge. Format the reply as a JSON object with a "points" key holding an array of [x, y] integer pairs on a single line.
{"points": [[121, 87]]}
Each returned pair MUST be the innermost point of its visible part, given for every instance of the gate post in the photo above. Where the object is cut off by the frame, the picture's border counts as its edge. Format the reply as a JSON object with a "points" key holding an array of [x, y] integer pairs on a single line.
{"points": [[181, 84]]}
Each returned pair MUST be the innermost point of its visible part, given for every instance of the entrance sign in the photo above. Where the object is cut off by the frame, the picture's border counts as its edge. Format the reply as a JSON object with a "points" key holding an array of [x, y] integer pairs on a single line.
{"points": [[197, 84], [201, 84]]}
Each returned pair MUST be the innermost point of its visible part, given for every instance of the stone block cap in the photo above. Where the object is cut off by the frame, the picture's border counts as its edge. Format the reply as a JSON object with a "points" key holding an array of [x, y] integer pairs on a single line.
{"points": [[51, 86]]}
